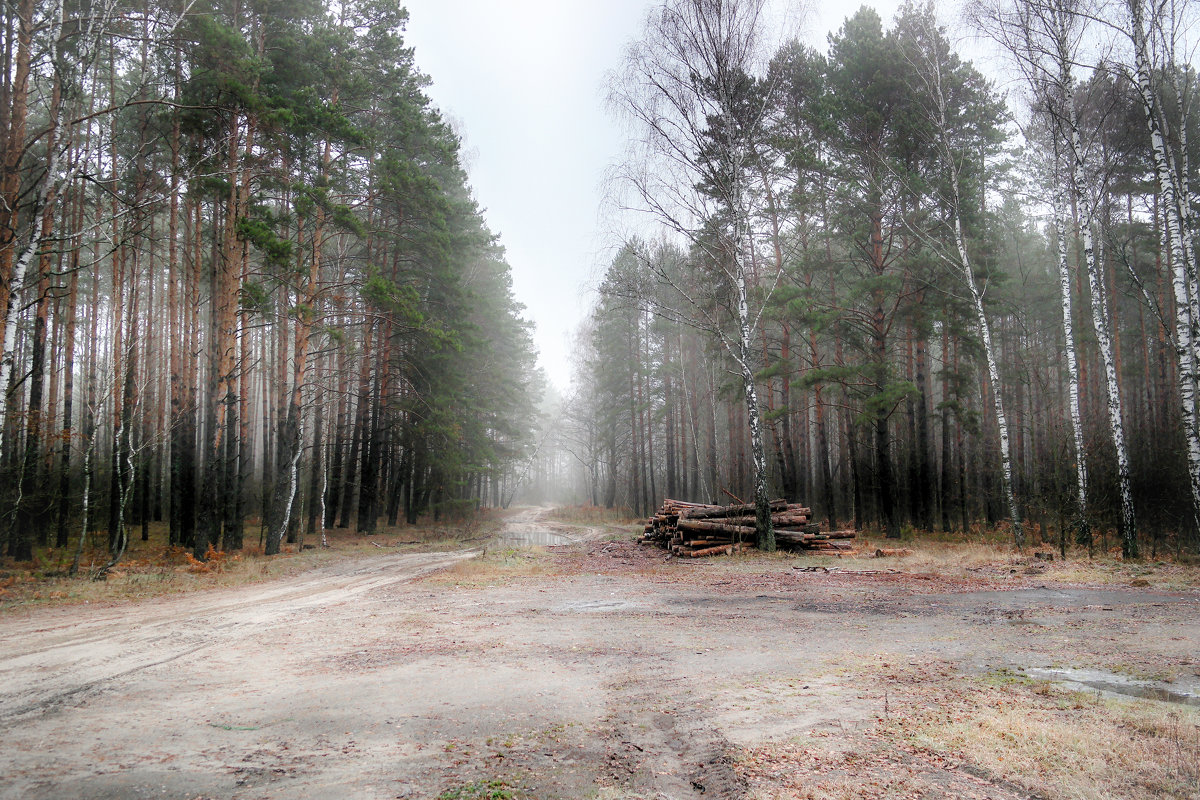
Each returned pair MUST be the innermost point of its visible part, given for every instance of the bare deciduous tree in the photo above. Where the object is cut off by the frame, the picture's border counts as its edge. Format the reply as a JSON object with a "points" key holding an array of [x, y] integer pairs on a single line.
{"points": [[689, 89]]}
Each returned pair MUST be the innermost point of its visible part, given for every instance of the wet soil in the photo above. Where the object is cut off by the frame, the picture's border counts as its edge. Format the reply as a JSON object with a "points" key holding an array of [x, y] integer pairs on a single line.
{"points": [[615, 675]]}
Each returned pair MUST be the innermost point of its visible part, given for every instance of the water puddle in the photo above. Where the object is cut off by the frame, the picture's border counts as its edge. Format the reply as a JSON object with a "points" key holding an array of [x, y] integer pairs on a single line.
{"points": [[1111, 684], [532, 536]]}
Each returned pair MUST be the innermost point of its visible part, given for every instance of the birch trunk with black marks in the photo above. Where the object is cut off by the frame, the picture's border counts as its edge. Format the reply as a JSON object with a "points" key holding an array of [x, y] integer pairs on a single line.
{"points": [[742, 247], [762, 502], [1051, 40], [1080, 523], [1129, 543], [1176, 201], [985, 334], [931, 72]]}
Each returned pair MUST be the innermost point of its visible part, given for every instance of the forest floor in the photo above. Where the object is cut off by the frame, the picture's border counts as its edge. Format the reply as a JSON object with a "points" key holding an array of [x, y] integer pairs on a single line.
{"points": [[150, 568], [594, 667]]}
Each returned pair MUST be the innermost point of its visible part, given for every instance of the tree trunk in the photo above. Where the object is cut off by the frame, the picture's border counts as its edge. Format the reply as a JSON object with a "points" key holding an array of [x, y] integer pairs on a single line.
{"points": [[1080, 519], [1176, 214]]}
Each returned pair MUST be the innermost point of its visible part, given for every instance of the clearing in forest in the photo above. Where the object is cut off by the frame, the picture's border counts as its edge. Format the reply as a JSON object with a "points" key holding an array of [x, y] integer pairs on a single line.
{"points": [[599, 669]]}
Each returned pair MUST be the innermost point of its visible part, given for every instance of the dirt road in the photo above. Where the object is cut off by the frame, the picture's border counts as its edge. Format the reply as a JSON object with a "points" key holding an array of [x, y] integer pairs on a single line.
{"points": [[610, 675], [53, 657]]}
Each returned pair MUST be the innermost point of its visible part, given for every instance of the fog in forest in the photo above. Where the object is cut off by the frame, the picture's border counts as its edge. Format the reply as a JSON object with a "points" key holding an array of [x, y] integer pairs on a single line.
{"points": [[250, 295], [560, 400]]}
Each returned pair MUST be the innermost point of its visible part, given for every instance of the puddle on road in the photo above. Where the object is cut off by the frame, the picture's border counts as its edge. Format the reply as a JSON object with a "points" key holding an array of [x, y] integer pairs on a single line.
{"points": [[1112, 684], [532, 536]]}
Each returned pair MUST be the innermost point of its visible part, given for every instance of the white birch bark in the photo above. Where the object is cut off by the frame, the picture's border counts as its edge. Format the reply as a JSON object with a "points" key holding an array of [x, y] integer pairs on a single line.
{"points": [[685, 74], [1064, 283], [294, 427], [324, 489], [85, 520], [933, 78], [1176, 205], [1043, 36], [985, 333], [765, 531], [738, 248], [46, 190], [1104, 342], [95, 26], [1116, 425], [8, 355], [293, 481]]}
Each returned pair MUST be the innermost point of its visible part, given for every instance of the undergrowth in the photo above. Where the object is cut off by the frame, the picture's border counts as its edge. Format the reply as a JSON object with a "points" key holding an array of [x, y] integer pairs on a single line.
{"points": [[153, 567]]}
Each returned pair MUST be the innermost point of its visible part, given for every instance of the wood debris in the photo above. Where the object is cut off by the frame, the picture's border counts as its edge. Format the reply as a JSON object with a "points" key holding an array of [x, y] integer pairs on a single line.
{"points": [[888, 552], [840, 571], [696, 529]]}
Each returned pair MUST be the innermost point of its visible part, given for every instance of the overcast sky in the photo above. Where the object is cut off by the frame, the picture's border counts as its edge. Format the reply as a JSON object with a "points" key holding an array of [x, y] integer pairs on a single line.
{"points": [[523, 82]]}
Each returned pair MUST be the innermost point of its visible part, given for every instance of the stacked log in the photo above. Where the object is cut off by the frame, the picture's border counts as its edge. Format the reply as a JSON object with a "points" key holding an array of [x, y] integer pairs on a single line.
{"points": [[695, 529]]}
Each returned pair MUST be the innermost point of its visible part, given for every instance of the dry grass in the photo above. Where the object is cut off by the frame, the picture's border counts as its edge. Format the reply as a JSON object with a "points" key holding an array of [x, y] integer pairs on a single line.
{"points": [[999, 561], [1066, 745], [1050, 740], [151, 568], [944, 734], [496, 566], [593, 515]]}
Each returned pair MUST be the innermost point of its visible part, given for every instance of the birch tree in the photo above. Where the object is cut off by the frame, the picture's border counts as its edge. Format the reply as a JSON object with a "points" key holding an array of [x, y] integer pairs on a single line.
{"points": [[1041, 38], [22, 234], [1082, 529], [1044, 37], [1064, 58], [1178, 210], [940, 73], [688, 89]]}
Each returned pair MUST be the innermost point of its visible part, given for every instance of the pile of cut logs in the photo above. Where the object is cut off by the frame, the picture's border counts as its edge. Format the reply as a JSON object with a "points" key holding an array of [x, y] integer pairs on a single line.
{"points": [[695, 529]]}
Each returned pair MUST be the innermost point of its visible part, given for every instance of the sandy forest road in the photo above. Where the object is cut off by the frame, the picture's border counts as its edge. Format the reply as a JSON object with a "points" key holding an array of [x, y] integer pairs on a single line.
{"points": [[615, 675], [55, 656]]}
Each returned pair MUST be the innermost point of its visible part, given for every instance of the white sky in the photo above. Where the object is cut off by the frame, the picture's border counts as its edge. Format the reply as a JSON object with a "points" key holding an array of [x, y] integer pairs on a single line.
{"points": [[523, 82]]}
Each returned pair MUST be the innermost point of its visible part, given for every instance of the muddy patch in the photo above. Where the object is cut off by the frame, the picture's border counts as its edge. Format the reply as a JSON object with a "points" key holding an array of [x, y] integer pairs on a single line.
{"points": [[662, 744], [532, 536], [529, 529], [1113, 685]]}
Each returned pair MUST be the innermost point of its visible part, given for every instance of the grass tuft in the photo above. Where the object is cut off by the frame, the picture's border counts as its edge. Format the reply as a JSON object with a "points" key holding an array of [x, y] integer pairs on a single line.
{"points": [[480, 790]]}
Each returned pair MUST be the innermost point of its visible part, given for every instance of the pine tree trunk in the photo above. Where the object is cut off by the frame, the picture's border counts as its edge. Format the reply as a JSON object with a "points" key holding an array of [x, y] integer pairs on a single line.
{"points": [[334, 492], [12, 265], [318, 476], [946, 498], [349, 498], [32, 521], [64, 480], [177, 339]]}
